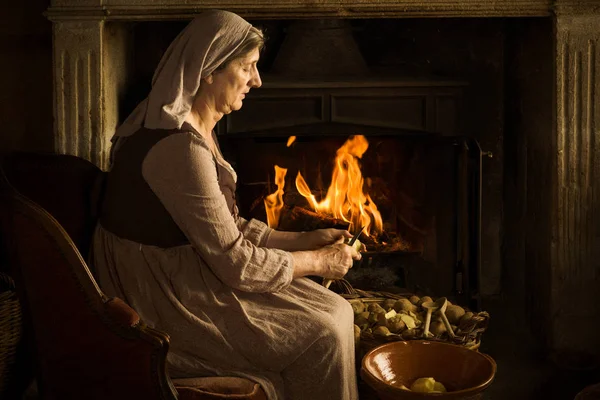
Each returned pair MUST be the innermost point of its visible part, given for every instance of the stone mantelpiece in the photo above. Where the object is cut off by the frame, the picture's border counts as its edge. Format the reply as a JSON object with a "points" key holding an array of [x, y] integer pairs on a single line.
{"points": [[88, 53], [156, 9], [91, 45]]}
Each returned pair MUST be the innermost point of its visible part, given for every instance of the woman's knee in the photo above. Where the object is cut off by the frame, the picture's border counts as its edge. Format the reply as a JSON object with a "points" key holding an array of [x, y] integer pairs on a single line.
{"points": [[338, 322], [344, 311]]}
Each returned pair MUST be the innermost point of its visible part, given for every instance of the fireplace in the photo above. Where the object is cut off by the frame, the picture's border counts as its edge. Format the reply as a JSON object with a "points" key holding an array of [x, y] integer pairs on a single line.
{"points": [[517, 77]]}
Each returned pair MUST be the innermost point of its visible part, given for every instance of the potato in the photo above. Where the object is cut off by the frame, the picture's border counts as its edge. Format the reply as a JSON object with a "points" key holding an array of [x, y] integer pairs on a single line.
{"points": [[374, 307], [388, 304], [381, 331], [409, 334], [396, 325], [437, 328], [404, 305], [358, 307], [454, 314], [423, 300], [356, 335], [423, 385], [427, 385], [357, 245], [465, 318], [362, 318], [381, 320], [439, 387], [374, 316]]}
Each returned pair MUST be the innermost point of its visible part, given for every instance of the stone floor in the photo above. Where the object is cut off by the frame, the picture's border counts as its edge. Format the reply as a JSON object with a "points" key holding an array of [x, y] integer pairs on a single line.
{"points": [[522, 372]]}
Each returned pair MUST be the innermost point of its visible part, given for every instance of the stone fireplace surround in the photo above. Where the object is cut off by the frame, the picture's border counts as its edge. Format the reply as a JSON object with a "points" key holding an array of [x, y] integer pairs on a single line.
{"points": [[564, 256]]}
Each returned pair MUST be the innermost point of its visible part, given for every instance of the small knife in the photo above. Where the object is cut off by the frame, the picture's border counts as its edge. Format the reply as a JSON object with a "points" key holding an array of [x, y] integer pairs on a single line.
{"points": [[356, 235]]}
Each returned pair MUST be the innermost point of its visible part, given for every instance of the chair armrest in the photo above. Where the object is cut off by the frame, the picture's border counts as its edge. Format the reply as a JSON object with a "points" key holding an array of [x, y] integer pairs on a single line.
{"points": [[121, 313]]}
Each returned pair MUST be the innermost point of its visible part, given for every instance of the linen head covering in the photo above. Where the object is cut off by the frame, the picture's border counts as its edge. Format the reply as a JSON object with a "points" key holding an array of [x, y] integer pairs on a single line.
{"points": [[207, 41]]}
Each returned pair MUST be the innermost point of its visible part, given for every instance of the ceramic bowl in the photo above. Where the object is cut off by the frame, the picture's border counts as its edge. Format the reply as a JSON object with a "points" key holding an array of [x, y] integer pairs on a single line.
{"points": [[465, 373]]}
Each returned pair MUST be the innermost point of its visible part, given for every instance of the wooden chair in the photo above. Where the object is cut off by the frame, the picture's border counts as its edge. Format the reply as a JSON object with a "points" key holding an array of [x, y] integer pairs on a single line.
{"points": [[87, 346]]}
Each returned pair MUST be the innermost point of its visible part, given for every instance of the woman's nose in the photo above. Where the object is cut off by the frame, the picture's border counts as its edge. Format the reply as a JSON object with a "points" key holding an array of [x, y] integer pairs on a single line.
{"points": [[256, 82]]}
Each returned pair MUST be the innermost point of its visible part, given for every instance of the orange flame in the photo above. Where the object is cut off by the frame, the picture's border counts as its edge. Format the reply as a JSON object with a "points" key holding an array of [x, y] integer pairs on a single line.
{"points": [[291, 140], [274, 201], [345, 198]]}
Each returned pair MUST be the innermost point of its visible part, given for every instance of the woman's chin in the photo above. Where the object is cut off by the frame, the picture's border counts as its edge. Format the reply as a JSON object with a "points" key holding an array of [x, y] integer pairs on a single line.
{"points": [[238, 105]]}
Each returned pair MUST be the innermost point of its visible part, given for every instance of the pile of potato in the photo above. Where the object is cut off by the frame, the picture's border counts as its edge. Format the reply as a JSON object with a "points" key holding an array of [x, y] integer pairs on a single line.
{"points": [[404, 317]]}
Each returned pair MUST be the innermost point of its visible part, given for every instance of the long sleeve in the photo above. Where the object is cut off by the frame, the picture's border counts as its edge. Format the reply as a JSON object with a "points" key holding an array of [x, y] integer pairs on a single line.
{"points": [[257, 232], [181, 171]]}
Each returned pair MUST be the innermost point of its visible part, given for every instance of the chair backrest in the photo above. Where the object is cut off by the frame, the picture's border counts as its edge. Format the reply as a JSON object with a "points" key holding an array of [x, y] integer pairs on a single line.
{"points": [[68, 187], [87, 346]]}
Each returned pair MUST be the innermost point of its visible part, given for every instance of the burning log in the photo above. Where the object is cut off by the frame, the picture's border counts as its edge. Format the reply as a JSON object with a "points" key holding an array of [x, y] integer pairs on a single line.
{"points": [[299, 219]]}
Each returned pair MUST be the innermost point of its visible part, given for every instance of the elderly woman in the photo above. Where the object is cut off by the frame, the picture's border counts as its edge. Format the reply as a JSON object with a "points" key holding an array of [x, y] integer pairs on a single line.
{"points": [[232, 293]]}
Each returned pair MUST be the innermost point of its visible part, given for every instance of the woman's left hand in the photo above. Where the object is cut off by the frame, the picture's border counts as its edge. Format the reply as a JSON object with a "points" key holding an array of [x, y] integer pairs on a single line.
{"points": [[325, 237]]}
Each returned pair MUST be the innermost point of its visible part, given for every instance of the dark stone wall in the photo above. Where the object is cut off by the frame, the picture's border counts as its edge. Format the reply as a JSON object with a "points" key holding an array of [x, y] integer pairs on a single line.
{"points": [[528, 171], [25, 77]]}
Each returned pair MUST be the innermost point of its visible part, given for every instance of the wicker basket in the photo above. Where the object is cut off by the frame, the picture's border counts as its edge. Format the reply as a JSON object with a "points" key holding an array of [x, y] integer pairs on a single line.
{"points": [[10, 332], [469, 334]]}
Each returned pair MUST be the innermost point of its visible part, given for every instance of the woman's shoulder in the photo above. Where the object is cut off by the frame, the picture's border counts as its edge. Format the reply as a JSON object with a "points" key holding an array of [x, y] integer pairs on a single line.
{"points": [[185, 139]]}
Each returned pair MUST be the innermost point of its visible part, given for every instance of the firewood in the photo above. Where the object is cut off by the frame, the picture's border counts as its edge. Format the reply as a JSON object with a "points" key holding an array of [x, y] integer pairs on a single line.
{"points": [[299, 219]]}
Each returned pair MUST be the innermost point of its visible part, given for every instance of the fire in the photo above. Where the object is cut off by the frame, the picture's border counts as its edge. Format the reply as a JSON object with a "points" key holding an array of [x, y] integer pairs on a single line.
{"points": [[274, 201], [291, 140], [345, 198]]}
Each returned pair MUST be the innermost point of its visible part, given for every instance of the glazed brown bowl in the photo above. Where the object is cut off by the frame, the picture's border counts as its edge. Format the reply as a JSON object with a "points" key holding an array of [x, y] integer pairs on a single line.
{"points": [[465, 373]]}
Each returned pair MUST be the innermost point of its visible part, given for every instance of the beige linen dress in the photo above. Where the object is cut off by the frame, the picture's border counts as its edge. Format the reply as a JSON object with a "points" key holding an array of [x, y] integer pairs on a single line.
{"points": [[229, 304]]}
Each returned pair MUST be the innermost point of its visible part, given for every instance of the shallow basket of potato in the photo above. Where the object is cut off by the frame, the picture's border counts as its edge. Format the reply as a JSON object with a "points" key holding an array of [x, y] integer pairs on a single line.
{"points": [[390, 317]]}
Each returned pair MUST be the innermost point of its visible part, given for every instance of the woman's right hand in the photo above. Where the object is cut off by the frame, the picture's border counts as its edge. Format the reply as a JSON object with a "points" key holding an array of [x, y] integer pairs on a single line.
{"points": [[335, 260]]}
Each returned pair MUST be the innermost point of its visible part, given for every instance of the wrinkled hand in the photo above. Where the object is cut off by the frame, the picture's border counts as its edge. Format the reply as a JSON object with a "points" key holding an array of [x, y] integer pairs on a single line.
{"points": [[336, 260], [325, 237]]}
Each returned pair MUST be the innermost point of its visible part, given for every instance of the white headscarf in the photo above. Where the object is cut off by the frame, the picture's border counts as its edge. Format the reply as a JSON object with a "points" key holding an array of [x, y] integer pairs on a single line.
{"points": [[195, 53]]}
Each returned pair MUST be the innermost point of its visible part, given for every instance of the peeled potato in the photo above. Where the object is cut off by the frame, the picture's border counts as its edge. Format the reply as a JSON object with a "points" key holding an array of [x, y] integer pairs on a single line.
{"points": [[427, 385], [439, 387], [423, 385], [358, 246]]}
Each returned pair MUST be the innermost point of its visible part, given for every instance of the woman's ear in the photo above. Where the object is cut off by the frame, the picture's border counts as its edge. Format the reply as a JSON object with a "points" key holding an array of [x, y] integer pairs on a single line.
{"points": [[208, 79]]}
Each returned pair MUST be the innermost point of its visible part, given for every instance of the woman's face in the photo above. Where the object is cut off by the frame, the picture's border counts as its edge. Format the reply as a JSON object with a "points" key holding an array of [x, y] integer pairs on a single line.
{"points": [[231, 84]]}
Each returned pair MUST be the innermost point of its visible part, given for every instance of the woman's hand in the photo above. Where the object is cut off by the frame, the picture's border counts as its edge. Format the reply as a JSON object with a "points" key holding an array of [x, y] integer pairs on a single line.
{"points": [[335, 260], [316, 239]]}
